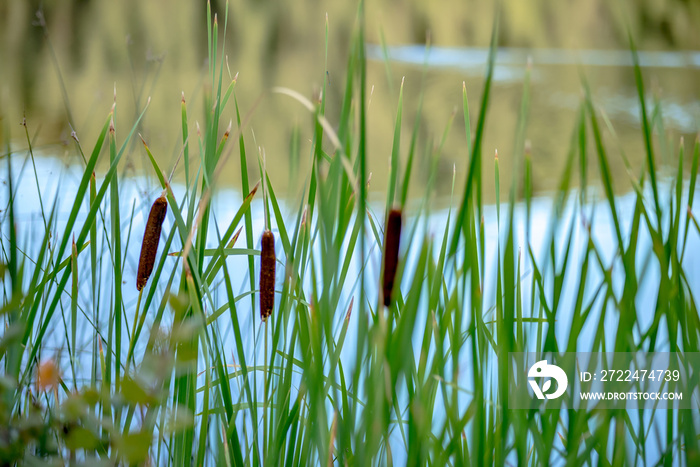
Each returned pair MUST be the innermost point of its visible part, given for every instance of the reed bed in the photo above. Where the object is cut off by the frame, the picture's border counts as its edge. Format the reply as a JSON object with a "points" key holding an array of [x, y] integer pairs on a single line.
{"points": [[333, 377]]}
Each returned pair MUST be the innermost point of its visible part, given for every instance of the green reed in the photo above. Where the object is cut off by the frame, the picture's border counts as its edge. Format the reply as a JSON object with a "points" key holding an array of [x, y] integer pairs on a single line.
{"points": [[334, 376]]}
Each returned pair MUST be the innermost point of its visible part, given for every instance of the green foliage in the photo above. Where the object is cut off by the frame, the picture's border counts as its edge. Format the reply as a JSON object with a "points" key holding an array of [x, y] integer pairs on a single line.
{"points": [[189, 374]]}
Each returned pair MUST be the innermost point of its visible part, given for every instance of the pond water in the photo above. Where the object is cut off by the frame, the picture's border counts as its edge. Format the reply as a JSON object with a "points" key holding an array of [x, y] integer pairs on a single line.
{"points": [[110, 46], [58, 181], [155, 49]]}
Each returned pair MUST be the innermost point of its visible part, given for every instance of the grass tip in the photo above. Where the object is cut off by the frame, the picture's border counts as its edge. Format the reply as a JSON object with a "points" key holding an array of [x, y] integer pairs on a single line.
{"points": [[496, 154], [235, 237], [303, 216], [183, 97], [349, 313], [254, 190]]}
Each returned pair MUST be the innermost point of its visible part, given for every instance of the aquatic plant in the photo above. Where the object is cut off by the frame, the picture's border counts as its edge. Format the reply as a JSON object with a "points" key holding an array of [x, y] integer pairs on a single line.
{"points": [[151, 238], [421, 382]]}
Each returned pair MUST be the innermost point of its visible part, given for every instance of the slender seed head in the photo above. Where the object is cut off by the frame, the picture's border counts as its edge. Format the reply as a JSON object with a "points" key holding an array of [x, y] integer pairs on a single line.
{"points": [[391, 253], [267, 275], [151, 237]]}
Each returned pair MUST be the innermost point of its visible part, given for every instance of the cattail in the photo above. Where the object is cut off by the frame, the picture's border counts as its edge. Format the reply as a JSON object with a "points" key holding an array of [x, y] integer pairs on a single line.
{"points": [[151, 237], [267, 275], [391, 252]]}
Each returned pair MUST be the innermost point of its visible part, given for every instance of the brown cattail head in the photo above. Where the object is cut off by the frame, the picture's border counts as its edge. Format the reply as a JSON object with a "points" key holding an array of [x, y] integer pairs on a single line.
{"points": [[151, 237], [267, 275], [391, 252]]}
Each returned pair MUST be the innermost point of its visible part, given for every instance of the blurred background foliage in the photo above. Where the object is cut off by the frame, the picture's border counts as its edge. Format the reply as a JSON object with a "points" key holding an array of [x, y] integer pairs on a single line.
{"points": [[158, 48]]}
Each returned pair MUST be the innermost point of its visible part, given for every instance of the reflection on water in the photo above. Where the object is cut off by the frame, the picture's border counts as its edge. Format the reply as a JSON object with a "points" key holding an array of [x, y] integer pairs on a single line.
{"points": [[474, 58], [151, 49], [510, 66]]}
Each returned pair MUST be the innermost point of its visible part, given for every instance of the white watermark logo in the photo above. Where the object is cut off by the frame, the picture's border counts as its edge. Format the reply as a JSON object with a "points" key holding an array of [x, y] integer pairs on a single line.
{"points": [[542, 369], [603, 380]]}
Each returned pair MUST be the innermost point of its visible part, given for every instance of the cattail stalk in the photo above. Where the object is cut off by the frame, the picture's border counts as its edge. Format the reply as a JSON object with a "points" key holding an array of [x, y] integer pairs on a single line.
{"points": [[267, 275], [391, 253], [151, 237]]}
